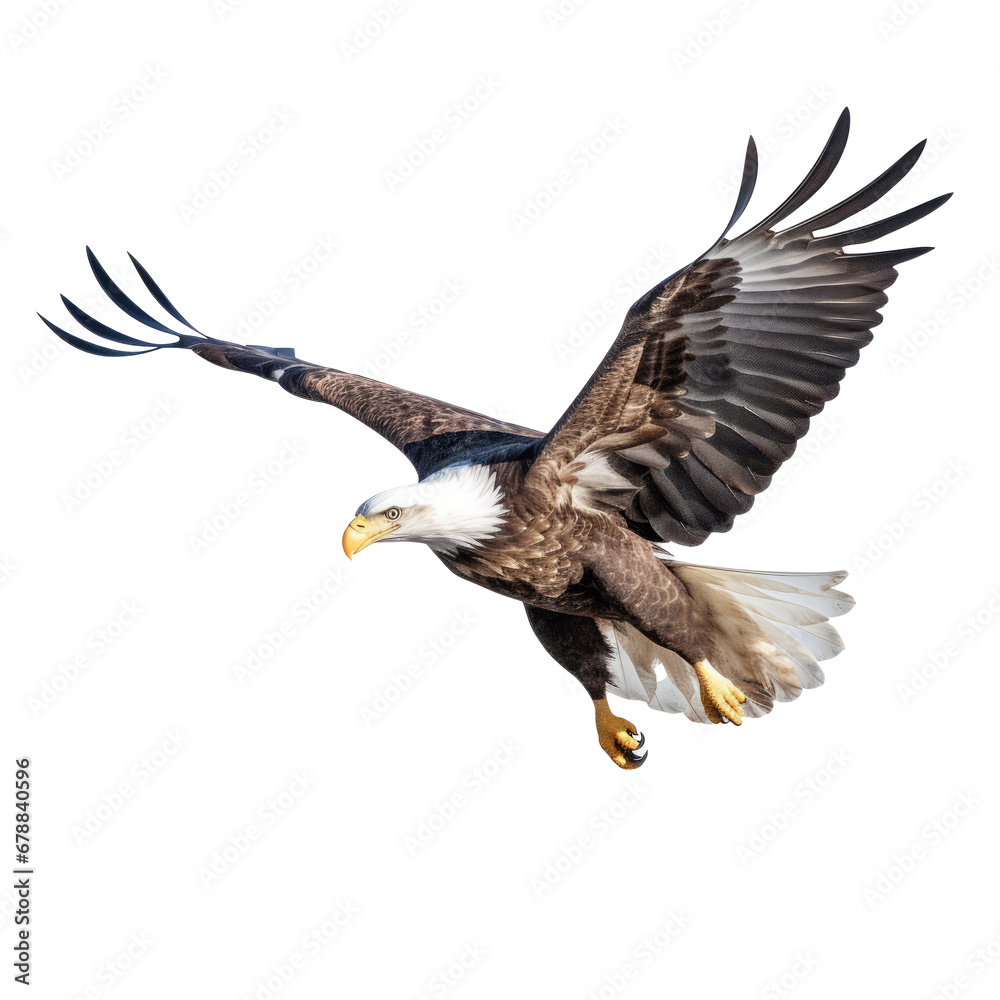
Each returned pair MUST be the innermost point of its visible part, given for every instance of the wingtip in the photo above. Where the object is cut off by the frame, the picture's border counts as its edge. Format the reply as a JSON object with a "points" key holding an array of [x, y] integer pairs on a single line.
{"points": [[97, 268], [747, 183], [154, 289], [842, 128], [935, 203], [88, 347]]}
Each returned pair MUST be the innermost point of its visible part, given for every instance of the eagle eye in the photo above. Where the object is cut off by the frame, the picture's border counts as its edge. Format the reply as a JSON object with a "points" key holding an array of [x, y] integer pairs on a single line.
{"points": [[392, 514]]}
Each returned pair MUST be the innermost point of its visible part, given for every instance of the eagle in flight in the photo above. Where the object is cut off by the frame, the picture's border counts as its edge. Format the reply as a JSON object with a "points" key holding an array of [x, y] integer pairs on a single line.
{"points": [[712, 380]]}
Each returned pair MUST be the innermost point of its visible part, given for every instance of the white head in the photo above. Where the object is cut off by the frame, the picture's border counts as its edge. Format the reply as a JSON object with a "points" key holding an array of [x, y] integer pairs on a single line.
{"points": [[459, 507]]}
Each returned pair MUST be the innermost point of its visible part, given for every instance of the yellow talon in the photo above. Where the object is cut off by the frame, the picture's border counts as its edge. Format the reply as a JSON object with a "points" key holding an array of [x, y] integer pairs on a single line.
{"points": [[615, 736], [720, 697]]}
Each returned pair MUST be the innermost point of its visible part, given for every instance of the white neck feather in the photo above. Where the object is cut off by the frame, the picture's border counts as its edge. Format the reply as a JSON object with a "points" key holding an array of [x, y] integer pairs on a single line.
{"points": [[457, 508]]}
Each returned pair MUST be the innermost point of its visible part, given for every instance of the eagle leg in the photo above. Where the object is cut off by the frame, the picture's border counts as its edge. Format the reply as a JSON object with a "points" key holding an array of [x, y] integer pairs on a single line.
{"points": [[577, 644], [720, 697]]}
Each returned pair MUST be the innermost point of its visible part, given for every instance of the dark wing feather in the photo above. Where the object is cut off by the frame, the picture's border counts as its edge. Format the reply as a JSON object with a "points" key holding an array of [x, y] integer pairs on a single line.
{"points": [[718, 369], [431, 433]]}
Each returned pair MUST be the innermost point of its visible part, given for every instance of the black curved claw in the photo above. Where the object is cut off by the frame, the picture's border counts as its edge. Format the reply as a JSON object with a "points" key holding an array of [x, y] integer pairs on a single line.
{"points": [[633, 758], [641, 738]]}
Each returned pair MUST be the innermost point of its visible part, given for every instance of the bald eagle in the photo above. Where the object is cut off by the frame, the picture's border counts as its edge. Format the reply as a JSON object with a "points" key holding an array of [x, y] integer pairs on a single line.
{"points": [[707, 389]]}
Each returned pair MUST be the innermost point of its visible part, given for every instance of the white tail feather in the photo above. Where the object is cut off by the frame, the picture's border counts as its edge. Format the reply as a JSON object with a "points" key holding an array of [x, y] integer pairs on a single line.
{"points": [[772, 629]]}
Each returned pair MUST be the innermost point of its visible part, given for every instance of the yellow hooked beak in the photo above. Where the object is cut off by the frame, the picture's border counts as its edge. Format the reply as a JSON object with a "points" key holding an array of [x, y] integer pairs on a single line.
{"points": [[361, 532]]}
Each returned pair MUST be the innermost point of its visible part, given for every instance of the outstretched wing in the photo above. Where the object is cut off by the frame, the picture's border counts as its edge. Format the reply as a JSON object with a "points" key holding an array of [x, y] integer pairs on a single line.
{"points": [[431, 434], [718, 369]]}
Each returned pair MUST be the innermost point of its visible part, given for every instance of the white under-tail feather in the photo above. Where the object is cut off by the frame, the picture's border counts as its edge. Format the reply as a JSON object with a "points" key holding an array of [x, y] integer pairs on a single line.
{"points": [[770, 631]]}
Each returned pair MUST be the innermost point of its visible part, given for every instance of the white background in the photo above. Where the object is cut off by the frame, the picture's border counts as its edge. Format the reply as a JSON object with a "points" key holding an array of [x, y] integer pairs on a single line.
{"points": [[548, 878]]}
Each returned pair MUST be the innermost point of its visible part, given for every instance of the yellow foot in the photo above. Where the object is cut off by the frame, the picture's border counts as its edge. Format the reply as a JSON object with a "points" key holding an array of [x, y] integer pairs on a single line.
{"points": [[618, 737], [721, 698]]}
